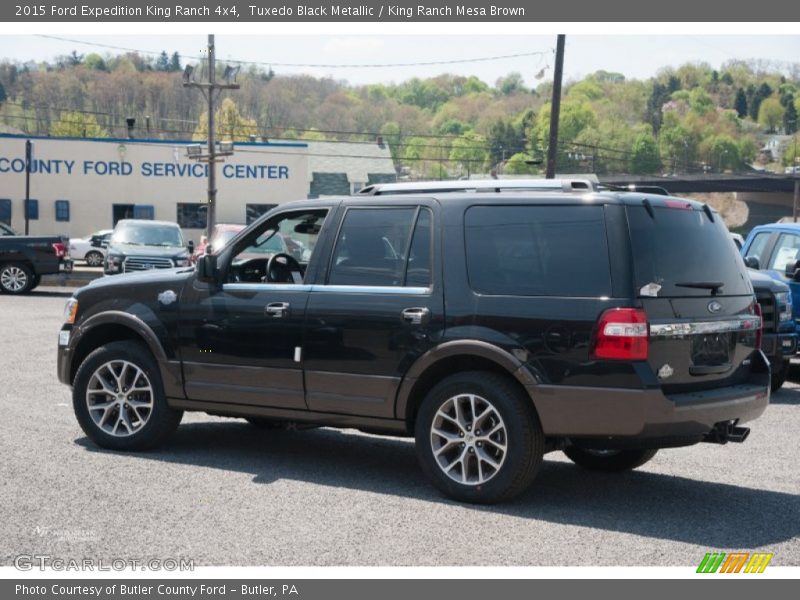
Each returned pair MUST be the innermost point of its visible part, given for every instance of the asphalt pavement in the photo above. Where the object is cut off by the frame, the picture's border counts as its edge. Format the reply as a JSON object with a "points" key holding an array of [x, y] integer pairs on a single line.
{"points": [[224, 493]]}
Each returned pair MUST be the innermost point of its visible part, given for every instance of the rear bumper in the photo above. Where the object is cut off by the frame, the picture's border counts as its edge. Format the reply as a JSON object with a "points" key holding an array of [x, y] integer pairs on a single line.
{"points": [[649, 414]]}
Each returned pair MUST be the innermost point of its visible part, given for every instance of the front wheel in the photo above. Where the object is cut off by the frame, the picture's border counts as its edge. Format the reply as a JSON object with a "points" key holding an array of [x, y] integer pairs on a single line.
{"points": [[478, 438], [16, 278], [609, 460], [119, 399]]}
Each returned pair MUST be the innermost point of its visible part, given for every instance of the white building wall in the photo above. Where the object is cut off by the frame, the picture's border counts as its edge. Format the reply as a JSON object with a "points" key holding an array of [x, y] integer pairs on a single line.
{"points": [[96, 174]]}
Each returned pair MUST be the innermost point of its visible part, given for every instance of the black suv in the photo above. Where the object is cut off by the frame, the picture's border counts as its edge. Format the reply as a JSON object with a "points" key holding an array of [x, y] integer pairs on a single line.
{"points": [[493, 327], [143, 245]]}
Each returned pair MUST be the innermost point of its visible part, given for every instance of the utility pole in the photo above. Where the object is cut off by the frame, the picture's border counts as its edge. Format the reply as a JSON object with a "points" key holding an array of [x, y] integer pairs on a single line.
{"points": [[210, 90], [28, 158], [555, 108]]}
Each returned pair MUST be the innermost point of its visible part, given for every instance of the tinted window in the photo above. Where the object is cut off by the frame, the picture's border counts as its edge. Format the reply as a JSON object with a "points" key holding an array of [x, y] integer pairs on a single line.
{"points": [[62, 210], [5, 211], [192, 215], [371, 246], [756, 249], [537, 250], [787, 251], [418, 272], [684, 246]]}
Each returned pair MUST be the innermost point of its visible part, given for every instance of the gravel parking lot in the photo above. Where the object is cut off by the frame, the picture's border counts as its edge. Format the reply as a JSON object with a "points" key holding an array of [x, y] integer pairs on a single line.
{"points": [[225, 493]]}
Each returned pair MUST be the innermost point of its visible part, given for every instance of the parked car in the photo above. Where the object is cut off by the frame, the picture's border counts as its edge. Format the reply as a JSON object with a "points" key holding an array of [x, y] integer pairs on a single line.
{"points": [[92, 248], [143, 245], [505, 325], [779, 340], [222, 234], [775, 249], [24, 259]]}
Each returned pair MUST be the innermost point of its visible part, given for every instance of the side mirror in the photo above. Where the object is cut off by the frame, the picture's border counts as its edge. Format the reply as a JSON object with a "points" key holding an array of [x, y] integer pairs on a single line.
{"points": [[190, 246], [751, 262], [207, 268], [793, 270]]}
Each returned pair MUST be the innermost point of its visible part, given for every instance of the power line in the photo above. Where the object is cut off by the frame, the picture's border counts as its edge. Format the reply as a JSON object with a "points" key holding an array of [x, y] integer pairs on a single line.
{"points": [[314, 65]]}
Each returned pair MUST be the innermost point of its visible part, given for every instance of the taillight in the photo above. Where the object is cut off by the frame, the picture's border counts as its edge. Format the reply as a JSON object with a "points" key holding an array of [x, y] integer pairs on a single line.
{"points": [[760, 332], [622, 334], [60, 249]]}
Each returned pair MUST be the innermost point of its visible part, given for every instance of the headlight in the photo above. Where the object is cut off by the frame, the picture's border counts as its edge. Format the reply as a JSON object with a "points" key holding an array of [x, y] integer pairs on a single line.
{"points": [[70, 311], [784, 300], [182, 262], [113, 262]]}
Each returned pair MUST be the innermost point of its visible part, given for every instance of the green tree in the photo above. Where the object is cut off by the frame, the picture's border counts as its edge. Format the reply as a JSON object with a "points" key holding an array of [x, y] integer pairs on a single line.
{"points": [[95, 62], [3, 95], [229, 124], [175, 62], [792, 153], [511, 84], [162, 62], [392, 136], [644, 154], [470, 151], [770, 114], [790, 124], [740, 103], [722, 152], [75, 124], [518, 165]]}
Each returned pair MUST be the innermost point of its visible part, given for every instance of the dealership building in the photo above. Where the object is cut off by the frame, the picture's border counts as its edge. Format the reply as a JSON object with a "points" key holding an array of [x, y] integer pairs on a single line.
{"points": [[78, 185]]}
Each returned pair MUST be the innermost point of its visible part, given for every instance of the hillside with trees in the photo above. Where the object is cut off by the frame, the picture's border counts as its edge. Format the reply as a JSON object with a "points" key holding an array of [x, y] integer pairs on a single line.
{"points": [[689, 118]]}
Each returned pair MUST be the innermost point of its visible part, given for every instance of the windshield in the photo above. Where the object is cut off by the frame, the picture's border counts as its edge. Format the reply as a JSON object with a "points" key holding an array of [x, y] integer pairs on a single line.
{"points": [[148, 235], [685, 253]]}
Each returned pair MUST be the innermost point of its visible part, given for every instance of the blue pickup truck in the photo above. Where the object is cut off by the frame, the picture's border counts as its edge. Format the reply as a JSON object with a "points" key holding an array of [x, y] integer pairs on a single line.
{"points": [[774, 249]]}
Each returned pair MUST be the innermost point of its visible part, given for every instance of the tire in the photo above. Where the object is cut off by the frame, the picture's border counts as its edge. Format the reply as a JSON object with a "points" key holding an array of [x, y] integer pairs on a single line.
{"points": [[94, 258], [37, 279], [149, 424], [16, 278], [778, 378], [609, 460], [513, 419]]}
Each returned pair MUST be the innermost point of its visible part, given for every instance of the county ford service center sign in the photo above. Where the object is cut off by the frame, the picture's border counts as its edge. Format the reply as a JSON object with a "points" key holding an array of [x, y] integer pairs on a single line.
{"points": [[97, 175]]}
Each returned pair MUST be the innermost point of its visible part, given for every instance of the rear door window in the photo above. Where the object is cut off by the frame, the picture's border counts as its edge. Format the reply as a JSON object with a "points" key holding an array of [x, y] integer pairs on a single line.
{"points": [[537, 251], [371, 247], [683, 246]]}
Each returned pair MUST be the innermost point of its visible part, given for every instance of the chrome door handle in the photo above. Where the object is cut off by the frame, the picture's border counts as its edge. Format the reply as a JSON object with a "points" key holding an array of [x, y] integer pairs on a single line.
{"points": [[416, 315], [277, 310]]}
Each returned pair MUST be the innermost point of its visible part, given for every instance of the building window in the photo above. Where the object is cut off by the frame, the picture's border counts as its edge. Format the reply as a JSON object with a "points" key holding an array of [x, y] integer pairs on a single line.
{"points": [[144, 211], [32, 210], [192, 215], [254, 211], [62, 210], [5, 211]]}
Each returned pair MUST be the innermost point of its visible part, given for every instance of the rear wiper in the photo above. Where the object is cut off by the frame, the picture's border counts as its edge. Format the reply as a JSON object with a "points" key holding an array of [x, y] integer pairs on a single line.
{"points": [[714, 286]]}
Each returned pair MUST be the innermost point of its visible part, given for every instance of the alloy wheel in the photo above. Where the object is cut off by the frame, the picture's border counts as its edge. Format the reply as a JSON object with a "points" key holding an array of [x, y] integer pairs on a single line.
{"points": [[13, 278], [119, 398], [469, 439]]}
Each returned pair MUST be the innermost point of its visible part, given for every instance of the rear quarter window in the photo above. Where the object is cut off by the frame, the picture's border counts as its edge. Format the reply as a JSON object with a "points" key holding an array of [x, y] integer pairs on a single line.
{"points": [[537, 251]]}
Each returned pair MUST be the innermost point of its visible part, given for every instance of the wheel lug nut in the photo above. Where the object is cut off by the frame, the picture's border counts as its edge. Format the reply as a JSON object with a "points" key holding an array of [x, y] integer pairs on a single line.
{"points": [[463, 444], [477, 432], [461, 433], [469, 427], [480, 444], [472, 450]]}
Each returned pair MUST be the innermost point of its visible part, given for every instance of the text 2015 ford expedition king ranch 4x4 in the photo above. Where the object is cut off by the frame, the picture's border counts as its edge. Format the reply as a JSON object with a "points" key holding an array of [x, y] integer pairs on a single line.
{"points": [[493, 327]]}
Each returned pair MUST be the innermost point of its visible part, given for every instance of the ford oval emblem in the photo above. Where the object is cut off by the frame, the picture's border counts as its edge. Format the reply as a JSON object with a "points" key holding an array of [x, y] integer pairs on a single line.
{"points": [[714, 306]]}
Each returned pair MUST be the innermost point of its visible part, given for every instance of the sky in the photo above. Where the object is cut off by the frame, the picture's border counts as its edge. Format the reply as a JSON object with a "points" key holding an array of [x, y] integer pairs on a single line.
{"points": [[635, 56]]}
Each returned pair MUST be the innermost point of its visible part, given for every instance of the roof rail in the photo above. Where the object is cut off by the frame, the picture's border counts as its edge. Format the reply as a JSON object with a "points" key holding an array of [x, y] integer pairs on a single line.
{"points": [[479, 185]]}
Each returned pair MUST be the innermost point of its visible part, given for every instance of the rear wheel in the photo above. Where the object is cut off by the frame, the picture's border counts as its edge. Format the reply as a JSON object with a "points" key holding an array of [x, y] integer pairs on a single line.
{"points": [[94, 258], [119, 399], [478, 438], [16, 278], [609, 460], [779, 376]]}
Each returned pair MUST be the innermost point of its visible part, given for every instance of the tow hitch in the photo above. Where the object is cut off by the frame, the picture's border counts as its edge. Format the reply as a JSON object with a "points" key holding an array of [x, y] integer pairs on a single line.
{"points": [[725, 432]]}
